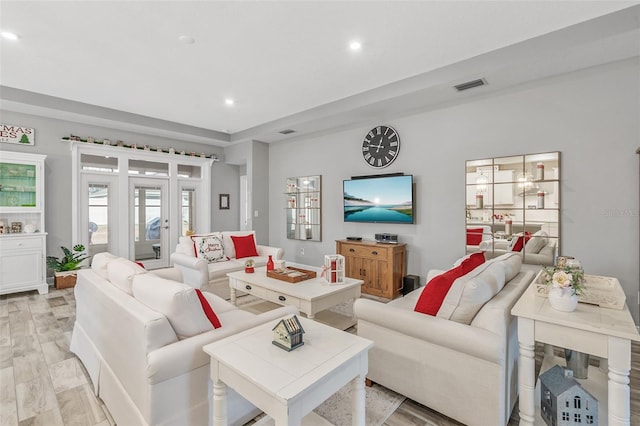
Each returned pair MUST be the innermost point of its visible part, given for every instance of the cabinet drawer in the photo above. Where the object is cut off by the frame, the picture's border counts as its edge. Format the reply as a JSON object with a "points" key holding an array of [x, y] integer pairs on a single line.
{"points": [[20, 243], [364, 251], [282, 299], [251, 289]]}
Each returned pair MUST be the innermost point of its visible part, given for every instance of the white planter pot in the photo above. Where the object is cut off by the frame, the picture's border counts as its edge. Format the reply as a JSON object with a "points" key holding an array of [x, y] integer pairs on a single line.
{"points": [[562, 299]]}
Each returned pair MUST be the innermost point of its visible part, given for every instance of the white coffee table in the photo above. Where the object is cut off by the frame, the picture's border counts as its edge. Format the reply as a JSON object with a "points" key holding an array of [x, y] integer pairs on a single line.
{"points": [[288, 385], [309, 296]]}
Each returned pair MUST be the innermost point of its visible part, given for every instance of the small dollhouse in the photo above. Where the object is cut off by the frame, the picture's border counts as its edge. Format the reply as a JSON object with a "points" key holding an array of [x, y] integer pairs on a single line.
{"points": [[563, 401], [287, 334]]}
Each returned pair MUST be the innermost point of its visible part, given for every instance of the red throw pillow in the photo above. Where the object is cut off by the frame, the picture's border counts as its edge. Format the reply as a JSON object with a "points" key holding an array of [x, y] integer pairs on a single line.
{"points": [[245, 246], [474, 236], [208, 310], [521, 241], [474, 260], [436, 290]]}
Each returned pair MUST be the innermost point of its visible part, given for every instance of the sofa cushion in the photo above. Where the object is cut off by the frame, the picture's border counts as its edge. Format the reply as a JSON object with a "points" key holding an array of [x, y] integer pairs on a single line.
{"points": [[121, 271], [209, 247], [177, 301], [470, 292], [99, 263], [536, 243], [245, 246], [437, 288], [229, 248]]}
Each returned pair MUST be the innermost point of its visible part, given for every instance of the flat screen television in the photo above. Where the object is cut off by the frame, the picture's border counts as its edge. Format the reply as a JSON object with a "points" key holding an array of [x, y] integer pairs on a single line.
{"points": [[384, 199]]}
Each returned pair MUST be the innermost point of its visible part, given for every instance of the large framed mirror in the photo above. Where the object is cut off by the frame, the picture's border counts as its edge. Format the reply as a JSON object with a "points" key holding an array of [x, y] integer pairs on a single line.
{"points": [[304, 208], [513, 204]]}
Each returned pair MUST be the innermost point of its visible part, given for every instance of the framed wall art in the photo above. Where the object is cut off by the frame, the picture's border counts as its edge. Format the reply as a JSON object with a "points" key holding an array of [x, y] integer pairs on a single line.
{"points": [[224, 202]]}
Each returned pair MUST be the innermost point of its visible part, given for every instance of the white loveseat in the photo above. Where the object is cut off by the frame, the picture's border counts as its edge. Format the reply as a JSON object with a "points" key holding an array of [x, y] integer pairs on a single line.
{"points": [[466, 371], [141, 368], [198, 272]]}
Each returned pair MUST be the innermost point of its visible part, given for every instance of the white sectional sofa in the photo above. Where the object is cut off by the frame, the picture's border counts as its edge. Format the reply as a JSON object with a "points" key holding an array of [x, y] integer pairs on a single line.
{"points": [[199, 272], [141, 363], [467, 371]]}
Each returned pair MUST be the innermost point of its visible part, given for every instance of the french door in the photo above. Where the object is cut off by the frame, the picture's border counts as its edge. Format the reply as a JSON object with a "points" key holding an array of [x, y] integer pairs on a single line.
{"points": [[149, 221], [99, 214], [136, 204]]}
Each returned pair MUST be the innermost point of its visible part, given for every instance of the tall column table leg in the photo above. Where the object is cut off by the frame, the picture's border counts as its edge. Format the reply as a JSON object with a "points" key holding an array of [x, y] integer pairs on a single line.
{"points": [[527, 372], [219, 403], [618, 384]]}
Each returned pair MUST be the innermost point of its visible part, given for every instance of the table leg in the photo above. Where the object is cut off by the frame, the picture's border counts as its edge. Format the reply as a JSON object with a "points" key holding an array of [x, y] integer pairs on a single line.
{"points": [[358, 402], [232, 295], [618, 384], [527, 371], [219, 403]]}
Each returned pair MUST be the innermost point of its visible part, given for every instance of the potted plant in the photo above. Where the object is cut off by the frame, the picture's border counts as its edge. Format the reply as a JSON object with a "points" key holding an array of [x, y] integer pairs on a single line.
{"points": [[65, 268]]}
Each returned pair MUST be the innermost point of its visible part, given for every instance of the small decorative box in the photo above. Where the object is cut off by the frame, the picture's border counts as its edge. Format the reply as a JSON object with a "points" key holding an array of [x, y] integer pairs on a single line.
{"points": [[287, 334], [334, 268]]}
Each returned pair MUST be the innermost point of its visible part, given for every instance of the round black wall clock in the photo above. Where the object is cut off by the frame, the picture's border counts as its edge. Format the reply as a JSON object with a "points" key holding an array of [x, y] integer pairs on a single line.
{"points": [[380, 146]]}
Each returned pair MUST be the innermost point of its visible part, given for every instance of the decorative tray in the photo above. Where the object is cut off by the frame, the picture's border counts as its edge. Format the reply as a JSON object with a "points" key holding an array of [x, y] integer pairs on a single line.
{"points": [[291, 274], [602, 291]]}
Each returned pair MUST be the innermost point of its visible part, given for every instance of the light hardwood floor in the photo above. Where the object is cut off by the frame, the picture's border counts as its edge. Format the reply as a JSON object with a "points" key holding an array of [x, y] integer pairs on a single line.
{"points": [[42, 383]]}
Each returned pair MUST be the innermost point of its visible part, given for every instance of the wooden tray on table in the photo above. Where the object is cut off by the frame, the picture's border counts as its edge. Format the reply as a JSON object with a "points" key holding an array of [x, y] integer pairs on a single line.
{"points": [[291, 274]]}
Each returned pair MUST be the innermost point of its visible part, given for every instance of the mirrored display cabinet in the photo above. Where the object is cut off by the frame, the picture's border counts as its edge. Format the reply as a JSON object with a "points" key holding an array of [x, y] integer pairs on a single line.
{"points": [[303, 208], [513, 204]]}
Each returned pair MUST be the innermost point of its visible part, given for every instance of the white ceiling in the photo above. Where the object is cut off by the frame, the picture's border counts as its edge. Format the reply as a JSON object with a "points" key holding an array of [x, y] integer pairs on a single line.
{"points": [[287, 64]]}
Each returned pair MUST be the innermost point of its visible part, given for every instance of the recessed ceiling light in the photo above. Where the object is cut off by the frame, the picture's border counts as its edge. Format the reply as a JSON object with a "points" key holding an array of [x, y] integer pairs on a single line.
{"points": [[10, 36], [355, 45], [186, 39], [229, 101]]}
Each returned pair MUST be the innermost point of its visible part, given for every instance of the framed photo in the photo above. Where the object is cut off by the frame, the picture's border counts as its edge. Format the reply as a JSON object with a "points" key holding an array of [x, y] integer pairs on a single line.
{"points": [[224, 202]]}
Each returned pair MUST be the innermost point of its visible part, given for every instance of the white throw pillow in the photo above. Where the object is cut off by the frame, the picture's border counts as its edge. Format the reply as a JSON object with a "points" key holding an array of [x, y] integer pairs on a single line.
{"points": [[177, 301], [185, 246], [536, 243], [512, 262], [469, 293], [99, 263], [121, 271], [209, 247]]}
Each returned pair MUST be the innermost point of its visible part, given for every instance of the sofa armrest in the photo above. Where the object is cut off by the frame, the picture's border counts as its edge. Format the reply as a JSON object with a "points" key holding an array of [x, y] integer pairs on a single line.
{"points": [[276, 252], [474, 341], [186, 355], [194, 270]]}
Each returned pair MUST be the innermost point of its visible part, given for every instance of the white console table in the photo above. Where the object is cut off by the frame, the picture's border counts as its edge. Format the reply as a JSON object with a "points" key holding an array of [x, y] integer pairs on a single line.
{"points": [[603, 332]]}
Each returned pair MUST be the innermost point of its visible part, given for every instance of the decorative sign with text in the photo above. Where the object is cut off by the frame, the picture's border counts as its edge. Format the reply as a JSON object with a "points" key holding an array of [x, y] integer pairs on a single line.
{"points": [[10, 133]]}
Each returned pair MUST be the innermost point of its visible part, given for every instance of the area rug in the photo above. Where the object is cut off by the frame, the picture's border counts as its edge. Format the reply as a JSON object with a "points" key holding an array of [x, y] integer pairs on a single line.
{"points": [[380, 404]]}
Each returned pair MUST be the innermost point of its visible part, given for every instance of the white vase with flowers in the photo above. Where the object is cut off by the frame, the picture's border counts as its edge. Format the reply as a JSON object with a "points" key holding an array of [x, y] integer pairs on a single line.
{"points": [[567, 283]]}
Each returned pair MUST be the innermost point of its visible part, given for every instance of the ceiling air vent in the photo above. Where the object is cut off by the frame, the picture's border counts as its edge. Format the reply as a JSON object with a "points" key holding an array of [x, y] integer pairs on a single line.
{"points": [[470, 84], [286, 131]]}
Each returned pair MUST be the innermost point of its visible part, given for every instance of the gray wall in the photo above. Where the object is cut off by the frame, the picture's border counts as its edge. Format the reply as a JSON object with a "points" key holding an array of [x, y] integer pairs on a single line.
{"points": [[49, 133], [591, 116]]}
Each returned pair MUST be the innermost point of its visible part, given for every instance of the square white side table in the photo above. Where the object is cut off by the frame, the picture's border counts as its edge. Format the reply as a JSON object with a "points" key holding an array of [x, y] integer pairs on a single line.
{"points": [[288, 385], [603, 332]]}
